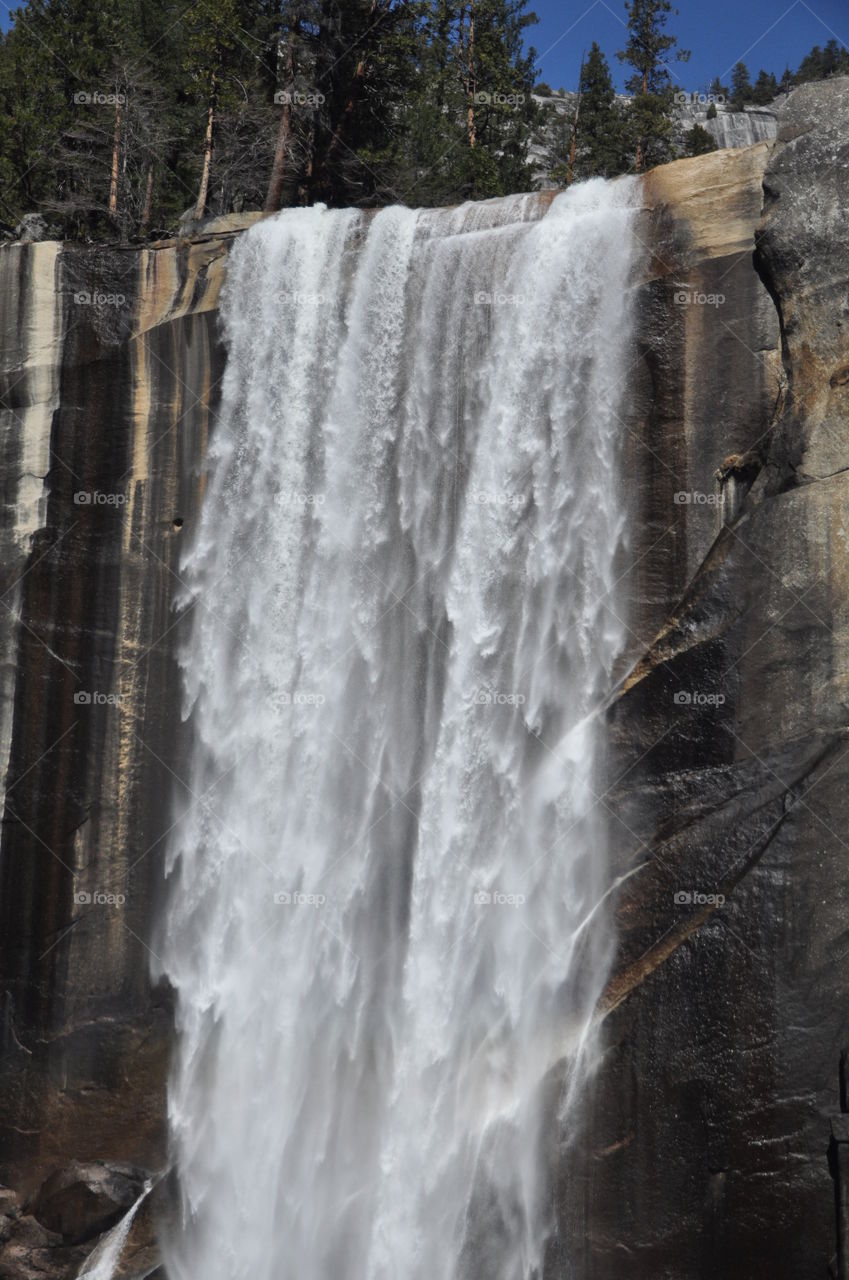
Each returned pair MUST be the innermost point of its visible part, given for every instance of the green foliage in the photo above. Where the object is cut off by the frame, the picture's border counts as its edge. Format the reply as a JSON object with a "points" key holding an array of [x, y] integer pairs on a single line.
{"points": [[595, 127], [650, 50], [601, 131], [361, 102], [821, 64], [765, 90], [698, 142], [711, 111], [742, 92]]}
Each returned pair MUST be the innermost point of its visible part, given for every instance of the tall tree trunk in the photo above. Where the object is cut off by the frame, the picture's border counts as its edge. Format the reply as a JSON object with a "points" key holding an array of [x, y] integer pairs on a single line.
{"points": [[346, 113], [640, 142], [309, 169], [147, 208], [207, 153], [116, 156], [638, 164], [284, 135], [574, 147], [377, 12], [472, 83]]}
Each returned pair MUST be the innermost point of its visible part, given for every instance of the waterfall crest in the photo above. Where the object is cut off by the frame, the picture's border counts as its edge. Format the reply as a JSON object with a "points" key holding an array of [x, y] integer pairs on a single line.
{"points": [[383, 926]]}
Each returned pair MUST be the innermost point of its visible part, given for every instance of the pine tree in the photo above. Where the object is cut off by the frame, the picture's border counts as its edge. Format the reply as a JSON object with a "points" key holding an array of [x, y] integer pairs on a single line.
{"points": [[765, 90], [649, 51], [811, 66], [820, 64], [35, 104], [598, 132], [468, 114], [497, 76], [719, 91], [741, 87], [698, 142], [835, 60]]}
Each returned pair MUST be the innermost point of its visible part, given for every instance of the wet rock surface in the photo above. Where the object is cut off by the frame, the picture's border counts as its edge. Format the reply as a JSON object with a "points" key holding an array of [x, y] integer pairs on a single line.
{"points": [[81, 1201], [705, 1149]]}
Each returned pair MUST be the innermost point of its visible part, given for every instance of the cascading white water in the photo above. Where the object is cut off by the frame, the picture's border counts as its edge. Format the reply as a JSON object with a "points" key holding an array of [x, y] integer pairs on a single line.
{"points": [[384, 927], [103, 1261]]}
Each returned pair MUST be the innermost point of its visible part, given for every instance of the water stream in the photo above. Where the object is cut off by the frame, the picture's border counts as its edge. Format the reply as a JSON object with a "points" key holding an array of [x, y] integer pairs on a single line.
{"points": [[384, 925]]}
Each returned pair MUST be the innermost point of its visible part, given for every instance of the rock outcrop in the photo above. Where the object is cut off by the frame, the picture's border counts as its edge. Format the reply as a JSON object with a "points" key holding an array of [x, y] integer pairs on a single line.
{"points": [[728, 128], [110, 371], [727, 1014], [703, 1154], [82, 1201]]}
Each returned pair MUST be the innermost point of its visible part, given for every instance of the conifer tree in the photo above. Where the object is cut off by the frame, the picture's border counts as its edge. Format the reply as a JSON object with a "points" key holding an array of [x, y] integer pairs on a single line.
{"points": [[820, 63], [698, 142], [742, 92], [765, 90], [599, 137], [649, 50], [835, 59]]}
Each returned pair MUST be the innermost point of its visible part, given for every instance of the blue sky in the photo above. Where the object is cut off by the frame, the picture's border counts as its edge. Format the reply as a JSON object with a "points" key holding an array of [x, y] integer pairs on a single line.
{"points": [[761, 33]]}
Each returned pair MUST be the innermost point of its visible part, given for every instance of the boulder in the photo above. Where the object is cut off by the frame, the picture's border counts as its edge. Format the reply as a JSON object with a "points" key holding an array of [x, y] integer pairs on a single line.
{"points": [[81, 1201]]}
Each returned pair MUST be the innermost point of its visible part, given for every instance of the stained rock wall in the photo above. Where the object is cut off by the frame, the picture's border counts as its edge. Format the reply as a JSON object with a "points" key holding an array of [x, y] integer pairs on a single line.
{"points": [[110, 372], [725, 1020]]}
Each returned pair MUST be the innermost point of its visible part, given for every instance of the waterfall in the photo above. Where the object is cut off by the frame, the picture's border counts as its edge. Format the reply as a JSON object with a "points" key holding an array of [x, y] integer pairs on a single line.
{"points": [[103, 1261], [384, 927]]}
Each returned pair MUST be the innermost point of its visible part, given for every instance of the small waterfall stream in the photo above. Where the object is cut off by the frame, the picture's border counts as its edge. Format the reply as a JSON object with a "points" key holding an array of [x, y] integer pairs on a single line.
{"points": [[383, 927], [102, 1263]]}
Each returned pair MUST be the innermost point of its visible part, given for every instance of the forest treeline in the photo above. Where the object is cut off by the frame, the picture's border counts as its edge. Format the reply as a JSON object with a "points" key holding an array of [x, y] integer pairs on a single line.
{"points": [[119, 116], [122, 119]]}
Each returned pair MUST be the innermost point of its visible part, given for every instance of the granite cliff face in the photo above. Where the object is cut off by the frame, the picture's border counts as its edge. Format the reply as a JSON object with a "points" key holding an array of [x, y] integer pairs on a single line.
{"points": [[110, 371], [727, 1019], [728, 128], [704, 1149]]}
